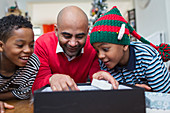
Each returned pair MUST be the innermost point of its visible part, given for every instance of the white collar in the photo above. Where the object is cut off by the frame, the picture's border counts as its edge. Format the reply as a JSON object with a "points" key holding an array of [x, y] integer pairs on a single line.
{"points": [[60, 49]]}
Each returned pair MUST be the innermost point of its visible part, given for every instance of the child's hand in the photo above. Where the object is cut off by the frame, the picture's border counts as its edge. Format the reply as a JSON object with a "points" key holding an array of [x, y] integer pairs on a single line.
{"points": [[103, 75], [147, 88], [4, 105]]}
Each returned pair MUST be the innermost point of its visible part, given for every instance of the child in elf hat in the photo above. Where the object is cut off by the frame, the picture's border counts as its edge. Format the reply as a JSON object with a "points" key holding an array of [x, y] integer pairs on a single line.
{"points": [[128, 62], [18, 64]]}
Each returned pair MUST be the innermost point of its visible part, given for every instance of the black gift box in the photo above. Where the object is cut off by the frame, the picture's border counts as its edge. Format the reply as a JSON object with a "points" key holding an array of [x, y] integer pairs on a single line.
{"points": [[90, 101]]}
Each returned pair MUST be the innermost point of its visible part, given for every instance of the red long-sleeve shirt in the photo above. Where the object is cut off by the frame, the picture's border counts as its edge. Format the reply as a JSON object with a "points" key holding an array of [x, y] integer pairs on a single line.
{"points": [[53, 63]]}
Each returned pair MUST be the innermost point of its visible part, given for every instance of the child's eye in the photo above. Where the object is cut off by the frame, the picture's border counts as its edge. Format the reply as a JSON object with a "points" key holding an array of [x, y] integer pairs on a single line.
{"points": [[97, 51], [105, 49], [20, 46], [32, 45]]}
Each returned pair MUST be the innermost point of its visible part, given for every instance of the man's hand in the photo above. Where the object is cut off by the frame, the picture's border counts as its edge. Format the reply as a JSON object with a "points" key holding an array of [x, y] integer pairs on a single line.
{"points": [[4, 105], [147, 88], [102, 75], [61, 82]]}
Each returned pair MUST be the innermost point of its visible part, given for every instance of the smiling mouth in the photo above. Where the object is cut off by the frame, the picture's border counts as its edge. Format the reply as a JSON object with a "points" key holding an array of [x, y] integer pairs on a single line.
{"points": [[106, 62], [72, 49], [24, 58]]}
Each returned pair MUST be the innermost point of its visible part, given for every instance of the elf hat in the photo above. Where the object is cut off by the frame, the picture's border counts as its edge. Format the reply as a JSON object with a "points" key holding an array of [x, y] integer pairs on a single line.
{"points": [[113, 28]]}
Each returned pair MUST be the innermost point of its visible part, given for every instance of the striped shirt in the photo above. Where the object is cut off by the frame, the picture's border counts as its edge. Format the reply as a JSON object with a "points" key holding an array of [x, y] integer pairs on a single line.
{"points": [[20, 83], [145, 66]]}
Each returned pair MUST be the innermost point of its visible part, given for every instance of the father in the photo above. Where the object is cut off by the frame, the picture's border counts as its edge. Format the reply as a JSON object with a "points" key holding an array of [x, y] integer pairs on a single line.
{"points": [[66, 55]]}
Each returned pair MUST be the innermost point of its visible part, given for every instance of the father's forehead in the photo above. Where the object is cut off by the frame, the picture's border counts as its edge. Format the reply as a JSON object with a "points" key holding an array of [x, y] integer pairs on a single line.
{"points": [[70, 14]]}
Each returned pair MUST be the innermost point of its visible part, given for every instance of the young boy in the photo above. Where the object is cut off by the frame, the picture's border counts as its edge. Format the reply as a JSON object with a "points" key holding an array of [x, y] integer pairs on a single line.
{"points": [[18, 64], [131, 63]]}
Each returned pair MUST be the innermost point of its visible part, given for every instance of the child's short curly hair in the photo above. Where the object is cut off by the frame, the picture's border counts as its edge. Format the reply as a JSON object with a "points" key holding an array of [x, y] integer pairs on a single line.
{"points": [[10, 23]]}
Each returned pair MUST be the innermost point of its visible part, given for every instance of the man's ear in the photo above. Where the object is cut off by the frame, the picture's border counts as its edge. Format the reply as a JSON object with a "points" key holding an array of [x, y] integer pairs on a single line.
{"points": [[56, 27], [88, 29], [126, 47], [1, 46]]}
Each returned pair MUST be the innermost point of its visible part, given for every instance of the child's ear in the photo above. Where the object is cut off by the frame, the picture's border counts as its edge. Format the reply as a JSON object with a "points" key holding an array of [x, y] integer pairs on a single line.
{"points": [[126, 47], [1, 46]]}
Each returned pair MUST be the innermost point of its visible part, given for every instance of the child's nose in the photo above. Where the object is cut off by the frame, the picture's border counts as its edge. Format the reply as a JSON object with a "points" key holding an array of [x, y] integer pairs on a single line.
{"points": [[28, 50], [101, 55]]}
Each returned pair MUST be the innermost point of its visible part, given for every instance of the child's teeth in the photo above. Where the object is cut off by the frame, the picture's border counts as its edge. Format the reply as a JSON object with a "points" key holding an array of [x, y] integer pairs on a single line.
{"points": [[25, 58]]}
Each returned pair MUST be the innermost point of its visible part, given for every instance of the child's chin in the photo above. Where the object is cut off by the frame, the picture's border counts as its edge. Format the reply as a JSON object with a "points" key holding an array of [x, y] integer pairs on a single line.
{"points": [[109, 67], [21, 65]]}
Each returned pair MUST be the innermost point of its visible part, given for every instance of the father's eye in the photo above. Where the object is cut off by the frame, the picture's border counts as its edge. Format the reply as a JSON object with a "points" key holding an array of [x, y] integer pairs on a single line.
{"points": [[79, 37], [67, 36]]}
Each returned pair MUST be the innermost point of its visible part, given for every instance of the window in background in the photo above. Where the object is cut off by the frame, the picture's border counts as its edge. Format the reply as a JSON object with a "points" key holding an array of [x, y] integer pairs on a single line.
{"points": [[37, 32]]}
